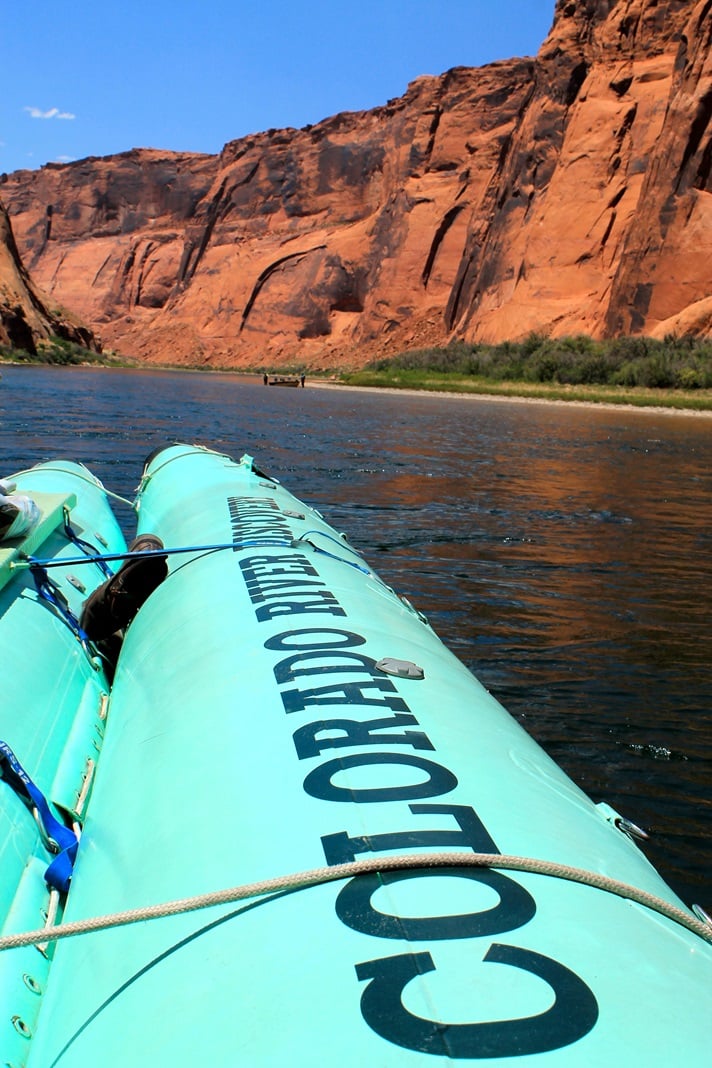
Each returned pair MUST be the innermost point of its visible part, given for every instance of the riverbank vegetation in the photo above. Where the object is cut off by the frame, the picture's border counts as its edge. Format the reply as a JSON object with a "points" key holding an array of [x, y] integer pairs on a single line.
{"points": [[676, 372], [59, 352], [673, 373]]}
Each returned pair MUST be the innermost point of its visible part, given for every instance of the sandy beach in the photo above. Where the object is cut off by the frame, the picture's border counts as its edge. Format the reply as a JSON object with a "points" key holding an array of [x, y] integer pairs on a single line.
{"points": [[315, 383]]}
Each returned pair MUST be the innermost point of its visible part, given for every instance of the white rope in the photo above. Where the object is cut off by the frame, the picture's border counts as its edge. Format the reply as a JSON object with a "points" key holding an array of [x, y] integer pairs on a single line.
{"points": [[39, 468], [301, 880]]}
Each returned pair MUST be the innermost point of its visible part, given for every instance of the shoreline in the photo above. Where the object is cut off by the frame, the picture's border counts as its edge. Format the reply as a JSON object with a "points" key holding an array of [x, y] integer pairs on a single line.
{"points": [[322, 383], [499, 398]]}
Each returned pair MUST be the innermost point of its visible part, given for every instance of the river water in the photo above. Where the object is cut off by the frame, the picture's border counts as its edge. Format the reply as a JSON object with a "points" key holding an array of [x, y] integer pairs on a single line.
{"points": [[563, 553]]}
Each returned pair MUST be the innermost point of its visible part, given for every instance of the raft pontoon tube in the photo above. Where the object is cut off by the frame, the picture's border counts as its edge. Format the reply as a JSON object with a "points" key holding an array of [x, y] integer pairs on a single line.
{"points": [[277, 710], [53, 706]]}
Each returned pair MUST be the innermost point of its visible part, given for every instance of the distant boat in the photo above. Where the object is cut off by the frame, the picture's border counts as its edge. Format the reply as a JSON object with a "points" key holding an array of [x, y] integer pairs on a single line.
{"points": [[285, 380]]}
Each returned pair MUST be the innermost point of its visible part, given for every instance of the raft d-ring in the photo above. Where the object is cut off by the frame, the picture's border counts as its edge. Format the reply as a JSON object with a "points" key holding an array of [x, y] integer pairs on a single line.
{"points": [[631, 829], [31, 983], [402, 669], [21, 1027], [77, 583], [413, 609], [47, 841]]}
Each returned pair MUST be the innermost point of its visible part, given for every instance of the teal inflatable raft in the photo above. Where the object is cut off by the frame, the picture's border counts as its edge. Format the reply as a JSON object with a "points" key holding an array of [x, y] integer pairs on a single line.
{"points": [[305, 834]]}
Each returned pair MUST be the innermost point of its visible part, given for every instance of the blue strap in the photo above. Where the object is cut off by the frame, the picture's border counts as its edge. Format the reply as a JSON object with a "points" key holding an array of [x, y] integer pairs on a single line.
{"points": [[86, 546], [59, 872], [246, 543], [50, 592]]}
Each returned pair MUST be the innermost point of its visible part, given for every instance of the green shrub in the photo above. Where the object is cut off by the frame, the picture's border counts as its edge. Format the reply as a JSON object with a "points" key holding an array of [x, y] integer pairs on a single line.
{"points": [[674, 363]]}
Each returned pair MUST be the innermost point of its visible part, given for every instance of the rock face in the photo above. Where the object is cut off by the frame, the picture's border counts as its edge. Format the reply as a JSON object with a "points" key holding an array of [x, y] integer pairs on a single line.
{"points": [[25, 316], [567, 193]]}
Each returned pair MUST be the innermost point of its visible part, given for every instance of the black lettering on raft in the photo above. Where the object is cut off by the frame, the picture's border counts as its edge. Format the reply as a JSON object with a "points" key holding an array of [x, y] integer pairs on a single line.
{"points": [[355, 733], [315, 639], [321, 603], [574, 1012], [264, 589], [339, 848], [252, 517], [515, 907], [285, 593], [238, 505], [353, 905], [280, 564], [328, 661], [318, 782], [345, 693], [572, 1015]]}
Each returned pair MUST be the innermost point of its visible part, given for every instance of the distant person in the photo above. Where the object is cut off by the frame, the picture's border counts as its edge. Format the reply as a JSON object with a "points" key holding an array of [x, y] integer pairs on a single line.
{"points": [[265, 379], [302, 379]]}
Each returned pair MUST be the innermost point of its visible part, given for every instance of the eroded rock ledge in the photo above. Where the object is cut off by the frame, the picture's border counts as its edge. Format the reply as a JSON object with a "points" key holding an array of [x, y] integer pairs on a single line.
{"points": [[571, 192]]}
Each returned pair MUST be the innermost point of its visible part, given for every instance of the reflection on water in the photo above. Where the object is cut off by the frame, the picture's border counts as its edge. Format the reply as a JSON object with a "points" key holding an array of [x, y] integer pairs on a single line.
{"points": [[562, 553]]}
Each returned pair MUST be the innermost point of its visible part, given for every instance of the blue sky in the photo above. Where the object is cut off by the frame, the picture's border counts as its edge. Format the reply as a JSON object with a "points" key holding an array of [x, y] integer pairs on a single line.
{"points": [[89, 78]]}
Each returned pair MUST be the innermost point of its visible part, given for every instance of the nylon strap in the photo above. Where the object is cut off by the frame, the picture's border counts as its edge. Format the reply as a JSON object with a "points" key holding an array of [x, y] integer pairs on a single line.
{"points": [[59, 872], [48, 591], [85, 546]]}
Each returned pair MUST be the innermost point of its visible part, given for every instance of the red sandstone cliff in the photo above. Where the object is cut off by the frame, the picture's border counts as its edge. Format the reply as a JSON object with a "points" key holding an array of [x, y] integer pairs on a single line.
{"points": [[25, 316], [567, 193]]}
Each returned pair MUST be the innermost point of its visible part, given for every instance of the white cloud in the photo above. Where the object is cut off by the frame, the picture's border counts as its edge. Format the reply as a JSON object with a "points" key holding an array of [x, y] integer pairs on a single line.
{"points": [[53, 113]]}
